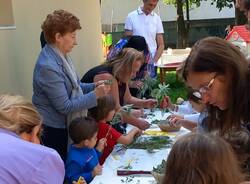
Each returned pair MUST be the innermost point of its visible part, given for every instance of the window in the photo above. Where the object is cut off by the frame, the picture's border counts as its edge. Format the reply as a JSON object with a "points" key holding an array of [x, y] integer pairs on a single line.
{"points": [[6, 15]]}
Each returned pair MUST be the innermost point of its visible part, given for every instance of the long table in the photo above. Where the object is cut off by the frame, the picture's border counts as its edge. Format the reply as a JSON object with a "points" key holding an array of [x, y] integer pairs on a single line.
{"points": [[138, 159]]}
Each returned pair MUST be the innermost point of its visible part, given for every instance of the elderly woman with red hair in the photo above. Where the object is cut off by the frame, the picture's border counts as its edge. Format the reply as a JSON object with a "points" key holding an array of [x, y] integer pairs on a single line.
{"points": [[58, 94]]}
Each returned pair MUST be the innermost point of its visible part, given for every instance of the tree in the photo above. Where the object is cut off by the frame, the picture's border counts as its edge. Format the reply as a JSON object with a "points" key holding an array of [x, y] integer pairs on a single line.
{"points": [[240, 18], [183, 26]]}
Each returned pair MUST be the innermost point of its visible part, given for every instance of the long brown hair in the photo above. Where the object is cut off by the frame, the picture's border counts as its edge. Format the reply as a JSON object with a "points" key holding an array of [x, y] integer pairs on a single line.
{"points": [[123, 62], [214, 54], [202, 159]]}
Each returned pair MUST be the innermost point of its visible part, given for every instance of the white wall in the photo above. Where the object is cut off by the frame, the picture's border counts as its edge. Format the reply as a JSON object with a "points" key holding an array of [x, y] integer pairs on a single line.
{"points": [[19, 48], [167, 12]]}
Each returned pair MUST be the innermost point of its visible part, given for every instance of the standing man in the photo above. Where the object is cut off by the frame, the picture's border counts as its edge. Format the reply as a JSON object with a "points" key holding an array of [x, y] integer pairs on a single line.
{"points": [[144, 22]]}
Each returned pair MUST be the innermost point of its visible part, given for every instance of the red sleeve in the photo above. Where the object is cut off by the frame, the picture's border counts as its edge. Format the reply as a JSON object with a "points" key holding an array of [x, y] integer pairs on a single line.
{"points": [[115, 134], [103, 129]]}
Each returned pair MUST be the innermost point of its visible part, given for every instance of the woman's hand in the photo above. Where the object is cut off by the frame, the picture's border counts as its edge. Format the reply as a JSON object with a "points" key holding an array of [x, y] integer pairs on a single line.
{"points": [[142, 124], [149, 103], [176, 120], [100, 82], [102, 90], [137, 113], [136, 84]]}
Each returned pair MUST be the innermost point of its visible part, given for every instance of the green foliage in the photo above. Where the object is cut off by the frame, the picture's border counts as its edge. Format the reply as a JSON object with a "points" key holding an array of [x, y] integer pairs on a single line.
{"points": [[126, 109], [156, 121], [219, 3], [160, 92], [108, 82], [223, 3], [191, 3], [177, 87], [151, 143], [160, 168], [148, 85], [128, 179]]}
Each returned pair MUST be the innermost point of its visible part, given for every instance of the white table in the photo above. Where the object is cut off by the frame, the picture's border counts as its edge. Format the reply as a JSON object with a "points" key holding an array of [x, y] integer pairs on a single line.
{"points": [[139, 160]]}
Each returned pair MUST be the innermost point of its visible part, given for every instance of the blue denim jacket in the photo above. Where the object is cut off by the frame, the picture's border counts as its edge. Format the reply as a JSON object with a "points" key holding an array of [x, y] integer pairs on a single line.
{"points": [[52, 90]]}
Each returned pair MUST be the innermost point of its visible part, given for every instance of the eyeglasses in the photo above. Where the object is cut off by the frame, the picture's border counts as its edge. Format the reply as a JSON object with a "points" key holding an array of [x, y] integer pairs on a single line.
{"points": [[204, 89]]}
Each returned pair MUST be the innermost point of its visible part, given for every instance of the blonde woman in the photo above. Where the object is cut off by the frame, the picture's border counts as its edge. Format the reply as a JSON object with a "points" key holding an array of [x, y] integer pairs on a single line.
{"points": [[121, 69], [23, 160]]}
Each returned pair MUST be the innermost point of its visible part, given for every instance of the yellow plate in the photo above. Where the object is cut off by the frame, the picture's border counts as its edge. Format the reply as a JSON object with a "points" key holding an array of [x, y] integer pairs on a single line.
{"points": [[158, 133]]}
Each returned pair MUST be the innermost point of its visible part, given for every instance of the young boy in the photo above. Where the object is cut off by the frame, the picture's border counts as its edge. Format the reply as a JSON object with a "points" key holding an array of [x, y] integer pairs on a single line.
{"points": [[188, 115], [104, 113], [83, 158]]}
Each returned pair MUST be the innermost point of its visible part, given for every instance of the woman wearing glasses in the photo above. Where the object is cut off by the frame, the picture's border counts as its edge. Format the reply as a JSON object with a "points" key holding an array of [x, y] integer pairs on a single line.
{"points": [[220, 73]]}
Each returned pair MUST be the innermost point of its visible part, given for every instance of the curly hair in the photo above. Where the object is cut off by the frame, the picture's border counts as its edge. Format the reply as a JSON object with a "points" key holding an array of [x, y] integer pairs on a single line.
{"points": [[60, 21]]}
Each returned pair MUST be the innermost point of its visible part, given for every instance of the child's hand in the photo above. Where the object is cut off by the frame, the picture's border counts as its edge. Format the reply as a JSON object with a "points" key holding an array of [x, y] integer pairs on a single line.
{"points": [[81, 180], [137, 131], [101, 144], [176, 120], [137, 113], [97, 170], [142, 124]]}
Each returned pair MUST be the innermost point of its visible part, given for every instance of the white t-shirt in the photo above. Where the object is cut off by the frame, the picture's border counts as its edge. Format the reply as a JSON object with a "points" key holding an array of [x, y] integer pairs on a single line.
{"points": [[188, 112], [145, 25]]}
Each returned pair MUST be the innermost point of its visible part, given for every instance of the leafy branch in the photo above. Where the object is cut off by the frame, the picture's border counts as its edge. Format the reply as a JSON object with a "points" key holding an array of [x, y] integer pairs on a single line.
{"points": [[159, 94], [161, 167], [148, 85], [151, 143], [108, 81], [126, 109]]}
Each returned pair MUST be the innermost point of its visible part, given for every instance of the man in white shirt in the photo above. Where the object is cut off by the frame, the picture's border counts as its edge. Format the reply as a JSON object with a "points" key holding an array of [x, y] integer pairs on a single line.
{"points": [[144, 22]]}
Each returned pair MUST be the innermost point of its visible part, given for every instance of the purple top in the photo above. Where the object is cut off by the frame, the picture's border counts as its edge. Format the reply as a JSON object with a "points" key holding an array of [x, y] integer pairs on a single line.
{"points": [[23, 162]]}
